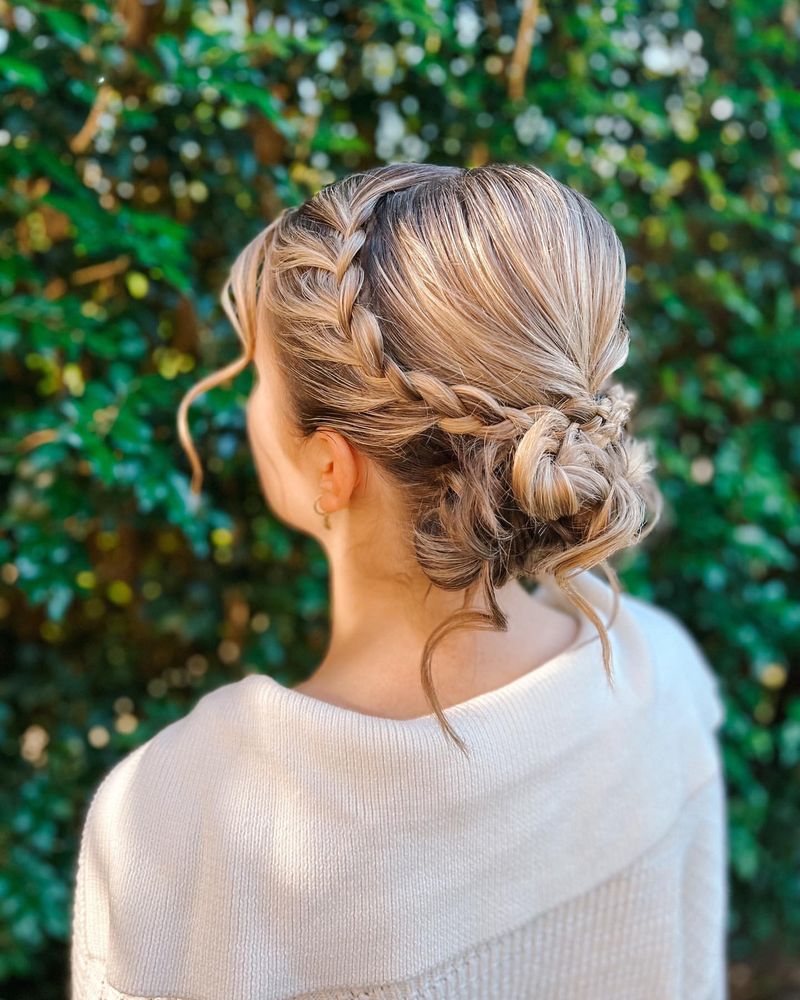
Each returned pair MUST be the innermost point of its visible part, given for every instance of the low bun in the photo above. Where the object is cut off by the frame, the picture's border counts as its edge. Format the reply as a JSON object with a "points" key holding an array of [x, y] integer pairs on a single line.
{"points": [[570, 455], [578, 472]]}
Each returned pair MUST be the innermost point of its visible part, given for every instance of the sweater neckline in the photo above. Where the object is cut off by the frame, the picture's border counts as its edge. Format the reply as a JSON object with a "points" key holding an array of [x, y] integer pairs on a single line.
{"points": [[540, 684]]}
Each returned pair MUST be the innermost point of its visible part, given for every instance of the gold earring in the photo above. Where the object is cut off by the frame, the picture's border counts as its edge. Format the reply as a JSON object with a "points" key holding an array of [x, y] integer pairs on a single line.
{"points": [[327, 517]]}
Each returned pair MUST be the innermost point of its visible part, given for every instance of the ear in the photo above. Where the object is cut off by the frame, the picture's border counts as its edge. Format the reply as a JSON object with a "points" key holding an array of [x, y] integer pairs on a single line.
{"points": [[339, 468]]}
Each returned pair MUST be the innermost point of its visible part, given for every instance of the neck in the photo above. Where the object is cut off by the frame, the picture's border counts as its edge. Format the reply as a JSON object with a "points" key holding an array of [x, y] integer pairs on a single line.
{"points": [[379, 628]]}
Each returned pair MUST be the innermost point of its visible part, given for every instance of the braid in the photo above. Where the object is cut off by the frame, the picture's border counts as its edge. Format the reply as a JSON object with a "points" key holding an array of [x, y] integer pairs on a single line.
{"points": [[456, 408], [347, 219]]}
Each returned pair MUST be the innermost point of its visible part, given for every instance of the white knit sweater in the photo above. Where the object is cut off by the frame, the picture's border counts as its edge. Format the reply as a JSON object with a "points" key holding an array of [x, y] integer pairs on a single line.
{"points": [[271, 846]]}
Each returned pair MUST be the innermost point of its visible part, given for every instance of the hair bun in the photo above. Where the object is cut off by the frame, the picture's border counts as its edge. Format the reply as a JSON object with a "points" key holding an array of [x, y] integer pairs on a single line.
{"points": [[563, 464]]}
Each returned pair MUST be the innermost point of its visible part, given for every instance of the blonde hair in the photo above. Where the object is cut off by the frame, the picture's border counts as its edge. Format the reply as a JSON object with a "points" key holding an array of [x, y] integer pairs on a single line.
{"points": [[458, 326]]}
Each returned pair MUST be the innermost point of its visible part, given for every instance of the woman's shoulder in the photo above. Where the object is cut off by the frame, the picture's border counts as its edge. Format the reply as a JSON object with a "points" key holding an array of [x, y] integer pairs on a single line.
{"points": [[681, 659], [172, 763]]}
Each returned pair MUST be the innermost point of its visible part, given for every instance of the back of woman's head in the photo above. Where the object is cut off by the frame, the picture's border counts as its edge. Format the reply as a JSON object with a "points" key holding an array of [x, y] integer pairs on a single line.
{"points": [[459, 327]]}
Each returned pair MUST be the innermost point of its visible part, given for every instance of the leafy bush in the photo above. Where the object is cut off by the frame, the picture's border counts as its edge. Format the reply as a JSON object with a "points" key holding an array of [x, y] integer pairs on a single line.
{"points": [[143, 145]]}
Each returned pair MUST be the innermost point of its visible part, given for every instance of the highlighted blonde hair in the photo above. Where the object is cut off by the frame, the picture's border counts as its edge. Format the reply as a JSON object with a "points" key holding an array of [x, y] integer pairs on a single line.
{"points": [[459, 327]]}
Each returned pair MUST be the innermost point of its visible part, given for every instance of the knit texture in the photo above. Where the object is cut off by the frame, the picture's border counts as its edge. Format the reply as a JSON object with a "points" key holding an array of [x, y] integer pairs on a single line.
{"points": [[271, 846]]}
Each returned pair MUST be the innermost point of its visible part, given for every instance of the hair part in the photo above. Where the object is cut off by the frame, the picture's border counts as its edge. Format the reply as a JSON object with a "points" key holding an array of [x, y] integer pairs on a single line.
{"points": [[459, 327]]}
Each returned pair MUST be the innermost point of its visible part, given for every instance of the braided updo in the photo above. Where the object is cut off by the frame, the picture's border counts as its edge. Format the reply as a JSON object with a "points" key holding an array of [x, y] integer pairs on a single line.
{"points": [[459, 327]]}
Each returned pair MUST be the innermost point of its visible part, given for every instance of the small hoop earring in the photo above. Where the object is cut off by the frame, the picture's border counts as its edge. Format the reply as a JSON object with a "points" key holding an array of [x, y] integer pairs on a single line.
{"points": [[326, 517]]}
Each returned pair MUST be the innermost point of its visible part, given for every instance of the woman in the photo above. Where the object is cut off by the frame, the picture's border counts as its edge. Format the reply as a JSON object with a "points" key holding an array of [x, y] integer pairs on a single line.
{"points": [[482, 791]]}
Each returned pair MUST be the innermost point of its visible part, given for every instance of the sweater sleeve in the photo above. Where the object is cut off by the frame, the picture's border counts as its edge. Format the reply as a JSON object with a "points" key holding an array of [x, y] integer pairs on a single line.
{"points": [[90, 907]]}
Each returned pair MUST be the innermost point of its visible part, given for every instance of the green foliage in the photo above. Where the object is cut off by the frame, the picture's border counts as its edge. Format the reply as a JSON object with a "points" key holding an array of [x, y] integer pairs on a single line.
{"points": [[140, 151]]}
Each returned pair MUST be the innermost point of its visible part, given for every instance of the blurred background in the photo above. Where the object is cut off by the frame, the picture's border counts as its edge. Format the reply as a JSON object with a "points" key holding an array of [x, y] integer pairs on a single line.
{"points": [[142, 144]]}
